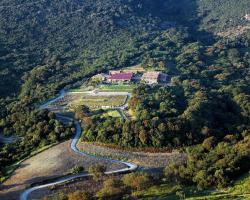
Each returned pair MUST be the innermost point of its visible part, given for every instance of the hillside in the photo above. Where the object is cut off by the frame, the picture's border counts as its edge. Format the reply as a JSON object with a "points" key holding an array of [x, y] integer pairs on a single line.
{"points": [[203, 110], [60, 30]]}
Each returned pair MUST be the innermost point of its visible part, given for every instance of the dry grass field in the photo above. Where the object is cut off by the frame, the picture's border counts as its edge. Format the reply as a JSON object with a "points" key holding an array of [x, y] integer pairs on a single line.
{"points": [[97, 102]]}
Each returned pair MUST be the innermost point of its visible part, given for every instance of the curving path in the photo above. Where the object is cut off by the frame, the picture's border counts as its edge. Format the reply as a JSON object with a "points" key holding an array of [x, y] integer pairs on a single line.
{"points": [[73, 146]]}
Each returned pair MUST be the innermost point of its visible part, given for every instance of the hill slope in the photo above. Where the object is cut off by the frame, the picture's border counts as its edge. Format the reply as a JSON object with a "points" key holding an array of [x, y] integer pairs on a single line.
{"points": [[47, 29]]}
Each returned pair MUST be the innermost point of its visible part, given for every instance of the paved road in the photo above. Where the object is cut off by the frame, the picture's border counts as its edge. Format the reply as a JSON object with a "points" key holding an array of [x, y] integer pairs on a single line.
{"points": [[73, 146]]}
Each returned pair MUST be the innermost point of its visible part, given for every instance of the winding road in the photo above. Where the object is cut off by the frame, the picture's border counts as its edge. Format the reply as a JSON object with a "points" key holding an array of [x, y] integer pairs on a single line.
{"points": [[130, 166]]}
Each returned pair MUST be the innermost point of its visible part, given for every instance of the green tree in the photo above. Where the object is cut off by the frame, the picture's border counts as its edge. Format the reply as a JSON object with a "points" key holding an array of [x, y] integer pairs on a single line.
{"points": [[137, 180], [97, 171]]}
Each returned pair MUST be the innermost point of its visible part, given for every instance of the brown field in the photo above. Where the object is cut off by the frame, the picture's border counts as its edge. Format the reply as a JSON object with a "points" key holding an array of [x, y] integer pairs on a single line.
{"points": [[49, 164]]}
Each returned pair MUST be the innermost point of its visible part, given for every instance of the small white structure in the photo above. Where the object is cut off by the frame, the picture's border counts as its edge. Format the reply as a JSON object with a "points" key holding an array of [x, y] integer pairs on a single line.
{"points": [[247, 17], [112, 72]]}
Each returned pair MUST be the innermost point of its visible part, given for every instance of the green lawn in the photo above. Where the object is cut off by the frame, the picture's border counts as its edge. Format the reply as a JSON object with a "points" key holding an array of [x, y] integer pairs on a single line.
{"points": [[117, 88]]}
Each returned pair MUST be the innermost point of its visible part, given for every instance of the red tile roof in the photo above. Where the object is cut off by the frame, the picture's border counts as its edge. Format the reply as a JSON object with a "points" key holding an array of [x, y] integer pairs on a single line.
{"points": [[121, 76]]}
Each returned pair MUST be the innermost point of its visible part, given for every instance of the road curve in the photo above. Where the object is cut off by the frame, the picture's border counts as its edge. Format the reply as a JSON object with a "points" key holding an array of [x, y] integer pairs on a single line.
{"points": [[130, 166]]}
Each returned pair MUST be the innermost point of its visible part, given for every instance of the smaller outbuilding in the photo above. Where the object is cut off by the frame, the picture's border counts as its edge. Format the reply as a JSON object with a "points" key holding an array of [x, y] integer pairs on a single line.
{"points": [[100, 77]]}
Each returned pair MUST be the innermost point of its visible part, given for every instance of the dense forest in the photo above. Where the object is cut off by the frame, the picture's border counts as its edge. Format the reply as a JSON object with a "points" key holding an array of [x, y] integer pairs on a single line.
{"points": [[47, 45], [210, 98]]}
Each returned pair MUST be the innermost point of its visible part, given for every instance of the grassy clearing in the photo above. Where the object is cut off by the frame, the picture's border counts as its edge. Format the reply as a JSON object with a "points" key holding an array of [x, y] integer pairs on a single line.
{"points": [[97, 102], [111, 113], [117, 88]]}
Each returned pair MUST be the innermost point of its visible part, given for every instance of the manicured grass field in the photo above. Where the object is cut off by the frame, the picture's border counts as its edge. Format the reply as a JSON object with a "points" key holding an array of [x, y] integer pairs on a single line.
{"points": [[118, 88]]}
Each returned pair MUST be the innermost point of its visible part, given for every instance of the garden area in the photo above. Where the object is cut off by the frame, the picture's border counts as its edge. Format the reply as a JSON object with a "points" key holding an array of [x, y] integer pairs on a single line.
{"points": [[98, 102], [118, 88], [93, 101]]}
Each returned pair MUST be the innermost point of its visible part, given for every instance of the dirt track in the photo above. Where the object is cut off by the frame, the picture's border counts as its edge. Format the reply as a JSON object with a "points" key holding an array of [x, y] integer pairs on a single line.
{"points": [[51, 163]]}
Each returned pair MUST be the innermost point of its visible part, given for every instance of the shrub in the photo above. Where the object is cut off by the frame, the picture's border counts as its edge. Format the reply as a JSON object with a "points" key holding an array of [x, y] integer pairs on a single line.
{"points": [[138, 180], [97, 171], [57, 196], [77, 195], [112, 189], [171, 172], [209, 143], [77, 169]]}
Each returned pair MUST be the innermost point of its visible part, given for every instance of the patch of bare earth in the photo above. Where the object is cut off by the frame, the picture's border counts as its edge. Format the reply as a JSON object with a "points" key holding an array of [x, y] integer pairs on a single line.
{"points": [[52, 163], [143, 159], [234, 32]]}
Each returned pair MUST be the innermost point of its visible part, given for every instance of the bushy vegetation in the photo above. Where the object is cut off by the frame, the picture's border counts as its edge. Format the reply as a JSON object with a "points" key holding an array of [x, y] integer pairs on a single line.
{"points": [[34, 129], [233, 13], [97, 171], [112, 189], [215, 166], [48, 45], [77, 195], [137, 181], [77, 169]]}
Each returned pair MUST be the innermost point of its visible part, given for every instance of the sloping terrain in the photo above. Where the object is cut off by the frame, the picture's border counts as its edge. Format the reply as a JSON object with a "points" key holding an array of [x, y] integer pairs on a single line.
{"points": [[35, 33], [54, 162]]}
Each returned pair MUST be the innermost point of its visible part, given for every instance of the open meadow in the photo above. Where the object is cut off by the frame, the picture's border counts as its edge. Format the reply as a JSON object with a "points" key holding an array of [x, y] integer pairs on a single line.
{"points": [[97, 102]]}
